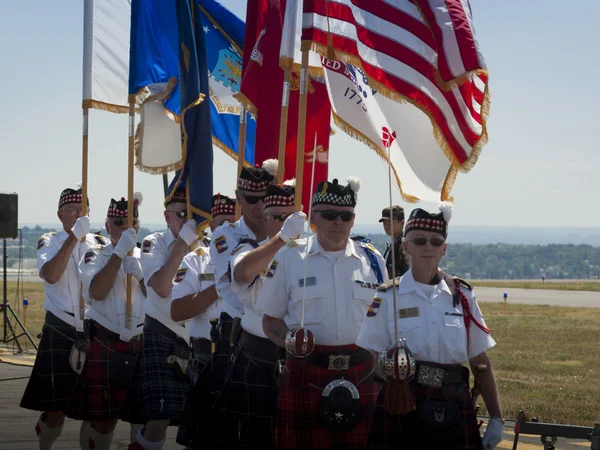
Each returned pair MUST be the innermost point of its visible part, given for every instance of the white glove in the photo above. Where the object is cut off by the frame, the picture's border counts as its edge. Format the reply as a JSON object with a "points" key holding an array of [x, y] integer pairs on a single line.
{"points": [[126, 243], [132, 266], [189, 232], [81, 227], [292, 227], [493, 434]]}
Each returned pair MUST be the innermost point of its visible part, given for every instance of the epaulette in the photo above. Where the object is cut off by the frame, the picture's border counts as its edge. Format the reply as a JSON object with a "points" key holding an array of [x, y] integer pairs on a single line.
{"points": [[99, 239], [199, 251], [463, 283], [360, 239], [389, 284]]}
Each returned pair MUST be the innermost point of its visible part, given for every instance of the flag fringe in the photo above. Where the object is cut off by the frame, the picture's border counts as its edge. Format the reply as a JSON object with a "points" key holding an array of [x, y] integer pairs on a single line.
{"points": [[228, 151], [356, 134], [246, 103], [466, 165], [96, 104], [315, 72], [148, 169]]}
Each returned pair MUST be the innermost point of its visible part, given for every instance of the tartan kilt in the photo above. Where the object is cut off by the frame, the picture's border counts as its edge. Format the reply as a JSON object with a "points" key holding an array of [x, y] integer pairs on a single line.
{"points": [[220, 359], [163, 390], [298, 424], [52, 379], [247, 409], [412, 433], [94, 397], [193, 410]]}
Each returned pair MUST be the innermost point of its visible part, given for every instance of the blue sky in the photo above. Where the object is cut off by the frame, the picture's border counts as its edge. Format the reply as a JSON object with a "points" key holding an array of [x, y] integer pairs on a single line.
{"points": [[538, 168]]}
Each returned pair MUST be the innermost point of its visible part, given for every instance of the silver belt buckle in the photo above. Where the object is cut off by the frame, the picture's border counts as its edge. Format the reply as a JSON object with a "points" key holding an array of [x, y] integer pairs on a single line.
{"points": [[431, 376], [339, 362]]}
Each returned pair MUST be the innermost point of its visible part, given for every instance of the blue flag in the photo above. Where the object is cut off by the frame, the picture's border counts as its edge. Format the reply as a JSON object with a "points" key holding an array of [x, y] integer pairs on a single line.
{"points": [[197, 149], [154, 60]]}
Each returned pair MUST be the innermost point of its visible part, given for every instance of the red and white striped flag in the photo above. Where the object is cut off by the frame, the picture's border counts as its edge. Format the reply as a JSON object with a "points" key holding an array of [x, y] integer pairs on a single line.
{"points": [[420, 52]]}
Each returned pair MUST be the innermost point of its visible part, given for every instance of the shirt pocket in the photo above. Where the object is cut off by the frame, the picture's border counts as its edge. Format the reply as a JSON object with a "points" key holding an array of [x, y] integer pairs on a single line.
{"points": [[453, 345], [413, 330], [315, 305], [363, 297]]}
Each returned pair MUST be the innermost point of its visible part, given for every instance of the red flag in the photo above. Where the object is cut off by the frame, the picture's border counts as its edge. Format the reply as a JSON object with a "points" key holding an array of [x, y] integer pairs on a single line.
{"points": [[261, 91]]}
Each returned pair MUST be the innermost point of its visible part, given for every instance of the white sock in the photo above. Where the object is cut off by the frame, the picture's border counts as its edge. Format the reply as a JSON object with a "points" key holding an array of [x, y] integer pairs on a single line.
{"points": [[90, 439], [134, 429], [47, 435], [147, 445]]}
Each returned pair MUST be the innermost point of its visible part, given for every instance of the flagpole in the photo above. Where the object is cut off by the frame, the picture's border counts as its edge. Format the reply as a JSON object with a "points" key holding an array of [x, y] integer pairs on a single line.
{"points": [[241, 155], [285, 105], [84, 187], [301, 128], [130, 206]]}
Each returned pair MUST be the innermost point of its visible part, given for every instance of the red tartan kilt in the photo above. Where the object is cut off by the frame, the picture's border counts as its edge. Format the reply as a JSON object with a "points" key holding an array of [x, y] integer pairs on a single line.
{"points": [[298, 421], [94, 396]]}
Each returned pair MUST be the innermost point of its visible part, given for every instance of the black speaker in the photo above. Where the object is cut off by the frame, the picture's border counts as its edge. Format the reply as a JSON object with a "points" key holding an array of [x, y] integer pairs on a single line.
{"points": [[9, 216]]}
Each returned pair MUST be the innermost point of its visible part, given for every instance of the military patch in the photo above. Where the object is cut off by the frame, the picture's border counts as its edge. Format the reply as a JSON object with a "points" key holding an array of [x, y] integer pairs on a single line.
{"points": [[146, 246], [88, 256], [221, 244], [407, 313], [206, 277], [367, 284], [374, 308], [41, 242], [180, 275], [272, 269]]}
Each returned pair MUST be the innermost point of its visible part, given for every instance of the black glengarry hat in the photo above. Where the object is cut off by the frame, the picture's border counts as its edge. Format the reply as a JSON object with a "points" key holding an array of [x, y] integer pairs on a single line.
{"points": [[221, 204], [335, 194], [423, 220], [281, 195], [119, 208], [257, 179]]}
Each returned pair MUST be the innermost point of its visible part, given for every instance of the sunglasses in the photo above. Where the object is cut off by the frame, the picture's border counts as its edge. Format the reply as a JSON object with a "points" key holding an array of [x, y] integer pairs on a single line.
{"points": [[420, 241], [253, 199], [179, 214], [121, 222], [329, 215], [279, 217]]}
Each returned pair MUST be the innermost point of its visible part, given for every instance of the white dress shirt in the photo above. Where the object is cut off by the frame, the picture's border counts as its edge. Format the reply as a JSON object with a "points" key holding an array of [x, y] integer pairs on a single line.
{"points": [[434, 329], [225, 239], [338, 290], [248, 292], [195, 274], [111, 312], [156, 248], [62, 297]]}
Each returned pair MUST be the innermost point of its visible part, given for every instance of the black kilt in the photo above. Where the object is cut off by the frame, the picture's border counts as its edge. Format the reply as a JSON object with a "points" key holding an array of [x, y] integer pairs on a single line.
{"points": [[52, 379], [163, 390], [247, 409], [410, 432], [194, 402]]}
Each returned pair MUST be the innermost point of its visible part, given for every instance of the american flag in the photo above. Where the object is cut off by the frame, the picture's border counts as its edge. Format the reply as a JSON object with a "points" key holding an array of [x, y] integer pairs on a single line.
{"points": [[422, 51]]}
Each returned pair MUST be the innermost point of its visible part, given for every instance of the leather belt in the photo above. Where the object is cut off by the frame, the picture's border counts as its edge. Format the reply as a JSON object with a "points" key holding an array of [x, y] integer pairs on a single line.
{"points": [[181, 348], [436, 377], [337, 362], [259, 347]]}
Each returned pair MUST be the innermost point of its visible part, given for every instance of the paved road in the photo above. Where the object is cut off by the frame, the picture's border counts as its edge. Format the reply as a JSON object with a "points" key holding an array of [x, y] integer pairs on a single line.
{"points": [[17, 425], [583, 299]]}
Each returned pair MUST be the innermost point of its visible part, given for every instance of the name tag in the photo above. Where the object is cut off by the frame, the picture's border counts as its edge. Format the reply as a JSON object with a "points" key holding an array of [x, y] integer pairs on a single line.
{"points": [[454, 314], [206, 277], [407, 313], [310, 281]]}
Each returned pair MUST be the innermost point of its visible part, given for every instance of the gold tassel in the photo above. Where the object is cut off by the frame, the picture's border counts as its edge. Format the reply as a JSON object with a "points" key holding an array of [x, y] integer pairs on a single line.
{"points": [[399, 399]]}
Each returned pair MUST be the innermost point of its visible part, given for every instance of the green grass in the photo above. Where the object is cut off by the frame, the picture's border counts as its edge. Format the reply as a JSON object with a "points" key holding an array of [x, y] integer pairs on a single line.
{"points": [[547, 361], [579, 285]]}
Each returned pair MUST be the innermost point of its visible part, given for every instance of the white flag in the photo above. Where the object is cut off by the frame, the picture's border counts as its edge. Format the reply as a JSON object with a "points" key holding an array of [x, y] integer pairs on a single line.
{"points": [[420, 167]]}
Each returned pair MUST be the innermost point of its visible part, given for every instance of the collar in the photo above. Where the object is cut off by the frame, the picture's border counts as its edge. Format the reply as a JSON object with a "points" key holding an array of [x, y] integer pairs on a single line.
{"points": [[408, 284], [316, 247], [168, 237], [244, 229]]}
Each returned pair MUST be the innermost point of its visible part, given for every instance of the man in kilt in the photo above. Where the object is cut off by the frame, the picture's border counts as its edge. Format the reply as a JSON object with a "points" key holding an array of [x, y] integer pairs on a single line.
{"points": [[320, 288], [195, 298], [247, 404], [444, 329], [250, 194], [115, 341], [58, 255], [164, 386]]}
